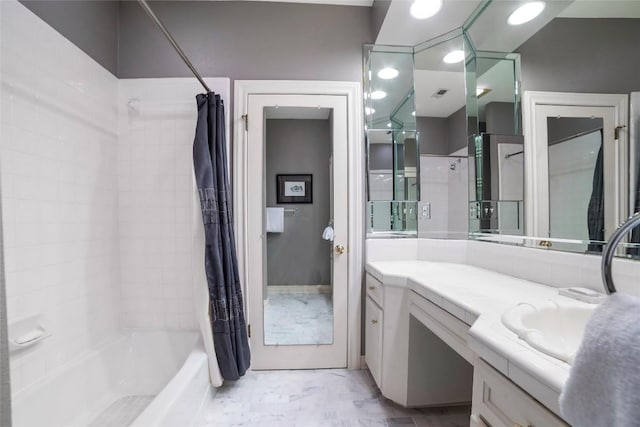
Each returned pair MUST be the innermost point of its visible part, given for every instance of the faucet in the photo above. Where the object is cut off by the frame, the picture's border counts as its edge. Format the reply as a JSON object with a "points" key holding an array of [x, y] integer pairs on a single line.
{"points": [[610, 249]]}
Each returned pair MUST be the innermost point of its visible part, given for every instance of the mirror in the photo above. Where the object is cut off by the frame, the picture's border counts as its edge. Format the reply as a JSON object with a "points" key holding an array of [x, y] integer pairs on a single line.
{"points": [[441, 123], [516, 183], [392, 142], [581, 168], [496, 199]]}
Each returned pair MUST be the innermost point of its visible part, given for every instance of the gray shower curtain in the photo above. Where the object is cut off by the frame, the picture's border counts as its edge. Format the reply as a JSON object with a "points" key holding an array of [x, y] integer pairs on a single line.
{"points": [[226, 310], [595, 210]]}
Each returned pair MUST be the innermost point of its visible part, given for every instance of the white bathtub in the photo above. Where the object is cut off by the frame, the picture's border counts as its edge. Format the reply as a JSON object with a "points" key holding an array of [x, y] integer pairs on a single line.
{"points": [[170, 366]]}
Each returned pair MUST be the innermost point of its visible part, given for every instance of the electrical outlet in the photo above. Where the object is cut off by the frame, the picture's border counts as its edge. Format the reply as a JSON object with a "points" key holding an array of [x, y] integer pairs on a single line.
{"points": [[426, 210]]}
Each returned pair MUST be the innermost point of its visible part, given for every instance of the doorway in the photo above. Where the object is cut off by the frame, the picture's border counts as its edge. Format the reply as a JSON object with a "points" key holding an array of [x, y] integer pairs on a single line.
{"points": [[576, 171], [295, 230]]}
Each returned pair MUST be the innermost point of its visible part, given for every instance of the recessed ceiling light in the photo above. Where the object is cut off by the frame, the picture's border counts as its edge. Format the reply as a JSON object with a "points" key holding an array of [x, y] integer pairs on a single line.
{"points": [[423, 9], [454, 57], [526, 12], [378, 94], [369, 111], [388, 73]]}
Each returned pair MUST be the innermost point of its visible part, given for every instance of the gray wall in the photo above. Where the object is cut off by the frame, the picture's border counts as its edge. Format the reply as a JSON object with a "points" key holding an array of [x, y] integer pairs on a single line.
{"points": [[378, 13], [561, 128], [499, 118], [381, 157], [458, 128], [442, 136], [433, 133], [299, 256], [583, 55], [90, 25], [246, 40]]}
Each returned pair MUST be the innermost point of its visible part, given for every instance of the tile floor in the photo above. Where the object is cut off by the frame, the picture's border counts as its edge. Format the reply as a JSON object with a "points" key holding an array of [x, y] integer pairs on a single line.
{"points": [[122, 412], [317, 398], [298, 318]]}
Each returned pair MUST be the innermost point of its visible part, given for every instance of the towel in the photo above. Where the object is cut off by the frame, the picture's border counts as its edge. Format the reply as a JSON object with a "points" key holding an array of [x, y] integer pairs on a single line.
{"points": [[327, 234], [603, 389], [275, 220]]}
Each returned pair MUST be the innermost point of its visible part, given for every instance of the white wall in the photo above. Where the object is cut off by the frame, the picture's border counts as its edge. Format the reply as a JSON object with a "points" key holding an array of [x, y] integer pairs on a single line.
{"points": [[59, 196], [155, 191]]}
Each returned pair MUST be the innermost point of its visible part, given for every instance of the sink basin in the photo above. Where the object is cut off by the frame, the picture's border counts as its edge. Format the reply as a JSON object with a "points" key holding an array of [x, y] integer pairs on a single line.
{"points": [[553, 329]]}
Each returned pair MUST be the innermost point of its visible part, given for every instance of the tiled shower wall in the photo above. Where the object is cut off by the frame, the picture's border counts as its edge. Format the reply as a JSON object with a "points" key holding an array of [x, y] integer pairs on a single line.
{"points": [[155, 189], [97, 195], [59, 191]]}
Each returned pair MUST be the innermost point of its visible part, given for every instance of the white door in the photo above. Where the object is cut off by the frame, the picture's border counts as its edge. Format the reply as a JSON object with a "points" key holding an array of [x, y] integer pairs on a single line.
{"points": [[566, 173], [280, 330]]}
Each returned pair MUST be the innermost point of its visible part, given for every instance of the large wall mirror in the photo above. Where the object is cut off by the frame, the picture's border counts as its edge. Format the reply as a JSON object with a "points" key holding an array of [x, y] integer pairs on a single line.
{"points": [[543, 116], [578, 157]]}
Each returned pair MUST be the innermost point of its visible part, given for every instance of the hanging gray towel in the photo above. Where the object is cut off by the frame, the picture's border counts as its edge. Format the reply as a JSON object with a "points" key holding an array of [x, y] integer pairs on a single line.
{"points": [[226, 309], [603, 389]]}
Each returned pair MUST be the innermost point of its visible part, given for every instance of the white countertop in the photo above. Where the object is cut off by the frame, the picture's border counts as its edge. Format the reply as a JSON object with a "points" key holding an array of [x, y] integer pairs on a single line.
{"points": [[478, 297]]}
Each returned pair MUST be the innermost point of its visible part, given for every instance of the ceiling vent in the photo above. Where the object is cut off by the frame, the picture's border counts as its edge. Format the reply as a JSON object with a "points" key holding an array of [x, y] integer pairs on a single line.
{"points": [[439, 93]]}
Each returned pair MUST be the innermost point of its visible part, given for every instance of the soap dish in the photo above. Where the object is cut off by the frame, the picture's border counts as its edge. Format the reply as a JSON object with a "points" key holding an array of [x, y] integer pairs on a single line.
{"points": [[26, 332], [583, 294]]}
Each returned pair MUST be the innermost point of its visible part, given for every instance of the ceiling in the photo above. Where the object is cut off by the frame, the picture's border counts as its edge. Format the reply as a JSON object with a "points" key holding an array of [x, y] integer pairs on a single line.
{"points": [[602, 9], [367, 3], [399, 28]]}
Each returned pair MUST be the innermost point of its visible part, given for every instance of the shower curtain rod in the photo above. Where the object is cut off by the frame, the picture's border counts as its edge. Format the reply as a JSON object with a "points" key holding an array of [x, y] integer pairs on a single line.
{"points": [[173, 42]]}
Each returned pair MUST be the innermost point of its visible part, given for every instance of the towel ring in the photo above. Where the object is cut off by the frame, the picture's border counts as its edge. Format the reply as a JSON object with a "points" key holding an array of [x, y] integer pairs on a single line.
{"points": [[610, 249]]}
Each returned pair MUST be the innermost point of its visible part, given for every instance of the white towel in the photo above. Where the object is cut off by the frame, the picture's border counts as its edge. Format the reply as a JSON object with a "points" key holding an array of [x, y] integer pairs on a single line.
{"points": [[603, 389], [275, 220], [327, 234]]}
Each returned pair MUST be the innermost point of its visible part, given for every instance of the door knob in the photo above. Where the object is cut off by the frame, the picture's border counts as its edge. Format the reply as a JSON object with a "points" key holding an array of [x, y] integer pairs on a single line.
{"points": [[339, 249]]}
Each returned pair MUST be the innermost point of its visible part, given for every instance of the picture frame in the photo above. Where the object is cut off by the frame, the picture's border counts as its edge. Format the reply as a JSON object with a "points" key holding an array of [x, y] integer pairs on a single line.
{"points": [[294, 188]]}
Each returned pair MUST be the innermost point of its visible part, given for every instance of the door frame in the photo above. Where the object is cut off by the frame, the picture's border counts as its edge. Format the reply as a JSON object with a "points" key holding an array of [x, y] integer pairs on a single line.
{"points": [[356, 202], [534, 163]]}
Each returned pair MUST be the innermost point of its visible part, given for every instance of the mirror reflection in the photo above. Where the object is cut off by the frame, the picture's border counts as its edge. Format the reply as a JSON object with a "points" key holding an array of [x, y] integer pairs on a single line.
{"points": [[298, 293], [549, 188]]}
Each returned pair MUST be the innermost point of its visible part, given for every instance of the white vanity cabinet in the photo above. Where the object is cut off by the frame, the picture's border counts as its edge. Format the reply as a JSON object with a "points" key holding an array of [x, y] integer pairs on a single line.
{"points": [[410, 364], [497, 402], [373, 339]]}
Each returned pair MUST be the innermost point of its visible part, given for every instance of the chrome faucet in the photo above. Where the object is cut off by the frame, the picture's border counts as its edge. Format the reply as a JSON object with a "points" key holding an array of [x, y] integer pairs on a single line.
{"points": [[610, 249]]}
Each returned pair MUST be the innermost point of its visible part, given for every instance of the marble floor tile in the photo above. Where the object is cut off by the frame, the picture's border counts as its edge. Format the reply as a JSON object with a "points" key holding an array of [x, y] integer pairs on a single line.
{"points": [[298, 318], [317, 398]]}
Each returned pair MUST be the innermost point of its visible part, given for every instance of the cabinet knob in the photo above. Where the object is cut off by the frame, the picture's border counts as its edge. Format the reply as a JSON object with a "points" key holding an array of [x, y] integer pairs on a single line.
{"points": [[374, 321], [340, 249], [371, 288]]}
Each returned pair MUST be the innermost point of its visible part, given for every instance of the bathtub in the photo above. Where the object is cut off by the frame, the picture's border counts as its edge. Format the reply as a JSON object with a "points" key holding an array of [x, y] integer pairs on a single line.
{"points": [[136, 378]]}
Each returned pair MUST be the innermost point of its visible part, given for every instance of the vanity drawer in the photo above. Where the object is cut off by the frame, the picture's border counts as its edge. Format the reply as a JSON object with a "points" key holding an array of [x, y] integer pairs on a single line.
{"points": [[374, 289], [497, 402]]}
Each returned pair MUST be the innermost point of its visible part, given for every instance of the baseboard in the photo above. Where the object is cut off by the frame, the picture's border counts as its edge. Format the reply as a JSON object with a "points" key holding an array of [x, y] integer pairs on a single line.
{"points": [[299, 289]]}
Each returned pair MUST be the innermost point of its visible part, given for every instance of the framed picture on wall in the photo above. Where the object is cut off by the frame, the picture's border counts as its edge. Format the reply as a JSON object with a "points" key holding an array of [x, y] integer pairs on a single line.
{"points": [[296, 188]]}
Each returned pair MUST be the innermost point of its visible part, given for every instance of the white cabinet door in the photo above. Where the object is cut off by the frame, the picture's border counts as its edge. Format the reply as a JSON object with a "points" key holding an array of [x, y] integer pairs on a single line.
{"points": [[497, 402], [373, 339]]}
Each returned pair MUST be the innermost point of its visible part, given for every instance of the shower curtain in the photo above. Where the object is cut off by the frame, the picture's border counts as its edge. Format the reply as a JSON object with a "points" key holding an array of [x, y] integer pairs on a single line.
{"points": [[226, 312], [595, 211]]}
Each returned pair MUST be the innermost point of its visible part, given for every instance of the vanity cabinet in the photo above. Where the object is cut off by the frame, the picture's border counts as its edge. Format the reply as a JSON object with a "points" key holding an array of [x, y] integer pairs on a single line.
{"points": [[411, 365], [497, 402], [373, 338]]}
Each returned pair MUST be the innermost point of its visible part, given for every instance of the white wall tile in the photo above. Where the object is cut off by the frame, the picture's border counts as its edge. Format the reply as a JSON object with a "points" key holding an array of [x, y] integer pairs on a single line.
{"points": [[58, 151], [155, 200]]}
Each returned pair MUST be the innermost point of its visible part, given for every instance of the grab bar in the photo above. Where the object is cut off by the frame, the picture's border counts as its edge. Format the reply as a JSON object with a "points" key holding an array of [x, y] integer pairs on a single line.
{"points": [[610, 249]]}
